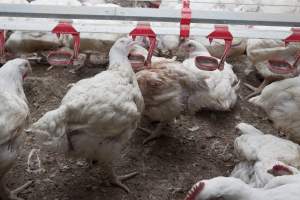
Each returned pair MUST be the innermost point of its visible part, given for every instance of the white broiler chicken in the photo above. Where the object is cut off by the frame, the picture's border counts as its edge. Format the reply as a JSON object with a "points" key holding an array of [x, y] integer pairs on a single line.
{"points": [[281, 101], [222, 85], [139, 54], [96, 45], [259, 51], [228, 188], [167, 45], [216, 47], [14, 116], [28, 42], [283, 180], [264, 156], [259, 173], [169, 90], [97, 115]]}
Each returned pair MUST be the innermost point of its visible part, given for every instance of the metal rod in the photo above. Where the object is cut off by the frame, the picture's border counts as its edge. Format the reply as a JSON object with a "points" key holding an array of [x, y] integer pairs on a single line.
{"points": [[146, 14], [82, 26], [217, 2]]}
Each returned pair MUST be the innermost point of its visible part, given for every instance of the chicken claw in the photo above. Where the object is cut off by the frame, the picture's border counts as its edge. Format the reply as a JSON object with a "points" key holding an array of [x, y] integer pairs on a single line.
{"points": [[153, 134], [14, 193], [49, 68], [30, 163], [117, 181], [70, 85], [256, 91], [145, 130]]}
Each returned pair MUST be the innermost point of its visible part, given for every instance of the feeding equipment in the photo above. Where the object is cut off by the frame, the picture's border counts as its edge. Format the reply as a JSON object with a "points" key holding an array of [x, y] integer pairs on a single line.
{"points": [[209, 63], [185, 22], [281, 66], [60, 57], [143, 29]]}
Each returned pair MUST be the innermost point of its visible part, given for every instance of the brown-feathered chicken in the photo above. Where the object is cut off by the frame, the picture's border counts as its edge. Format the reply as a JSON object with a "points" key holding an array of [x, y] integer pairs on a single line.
{"points": [[169, 89], [97, 115], [14, 114]]}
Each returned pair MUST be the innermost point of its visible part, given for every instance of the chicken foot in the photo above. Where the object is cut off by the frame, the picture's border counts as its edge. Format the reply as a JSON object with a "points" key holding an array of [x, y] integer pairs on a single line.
{"points": [[117, 180], [4, 193], [257, 91], [12, 195], [157, 133]]}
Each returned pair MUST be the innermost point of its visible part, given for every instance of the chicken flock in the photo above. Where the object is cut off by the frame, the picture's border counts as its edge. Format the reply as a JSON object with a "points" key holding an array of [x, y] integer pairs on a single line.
{"points": [[99, 115]]}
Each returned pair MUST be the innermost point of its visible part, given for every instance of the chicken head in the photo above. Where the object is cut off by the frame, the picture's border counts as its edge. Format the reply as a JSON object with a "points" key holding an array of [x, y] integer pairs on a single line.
{"points": [[192, 48], [124, 45], [196, 193], [280, 170], [22, 65]]}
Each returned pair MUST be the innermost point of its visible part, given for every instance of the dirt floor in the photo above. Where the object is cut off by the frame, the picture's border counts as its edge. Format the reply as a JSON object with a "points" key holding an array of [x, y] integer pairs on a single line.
{"points": [[168, 167]]}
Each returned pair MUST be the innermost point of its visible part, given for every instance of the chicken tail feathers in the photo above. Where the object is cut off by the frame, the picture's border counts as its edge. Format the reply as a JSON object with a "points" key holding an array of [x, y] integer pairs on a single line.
{"points": [[50, 129], [53, 122]]}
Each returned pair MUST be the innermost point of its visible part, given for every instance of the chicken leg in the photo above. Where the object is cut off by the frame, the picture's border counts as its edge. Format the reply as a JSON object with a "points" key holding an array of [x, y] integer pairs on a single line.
{"points": [[117, 180], [5, 194], [153, 134], [257, 91]]}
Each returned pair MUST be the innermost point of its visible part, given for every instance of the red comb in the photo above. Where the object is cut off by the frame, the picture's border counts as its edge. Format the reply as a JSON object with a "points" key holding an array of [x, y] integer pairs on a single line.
{"points": [[196, 189], [277, 168]]}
